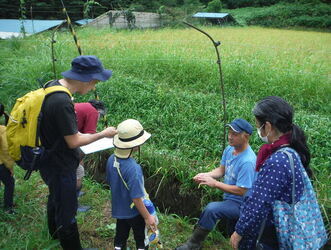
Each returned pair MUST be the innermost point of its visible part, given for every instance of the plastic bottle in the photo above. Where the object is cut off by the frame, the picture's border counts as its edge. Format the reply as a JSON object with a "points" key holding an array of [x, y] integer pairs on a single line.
{"points": [[150, 206]]}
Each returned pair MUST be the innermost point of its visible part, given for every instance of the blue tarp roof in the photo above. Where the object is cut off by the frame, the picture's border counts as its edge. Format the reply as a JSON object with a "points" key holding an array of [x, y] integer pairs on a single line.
{"points": [[210, 15], [84, 21], [31, 27]]}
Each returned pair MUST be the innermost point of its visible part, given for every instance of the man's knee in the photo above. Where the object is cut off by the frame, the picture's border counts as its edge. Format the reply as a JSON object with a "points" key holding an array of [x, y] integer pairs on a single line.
{"points": [[222, 210], [212, 208], [210, 213]]}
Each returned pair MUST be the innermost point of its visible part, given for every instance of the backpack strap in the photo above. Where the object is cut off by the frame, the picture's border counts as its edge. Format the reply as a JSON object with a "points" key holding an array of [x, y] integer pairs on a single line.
{"points": [[284, 150], [289, 155], [257, 246], [117, 166], [49, 91], [56, 88]]}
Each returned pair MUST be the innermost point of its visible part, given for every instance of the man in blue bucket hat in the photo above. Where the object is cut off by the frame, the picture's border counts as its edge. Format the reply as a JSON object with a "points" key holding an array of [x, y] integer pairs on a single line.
{"points": [[86, 69], [59, 127], [237, 166]]}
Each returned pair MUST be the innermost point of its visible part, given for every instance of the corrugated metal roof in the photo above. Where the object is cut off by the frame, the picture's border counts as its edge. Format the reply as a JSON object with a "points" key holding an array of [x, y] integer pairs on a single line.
{"points": [[84, 21], [31, 27], [210, 15]]}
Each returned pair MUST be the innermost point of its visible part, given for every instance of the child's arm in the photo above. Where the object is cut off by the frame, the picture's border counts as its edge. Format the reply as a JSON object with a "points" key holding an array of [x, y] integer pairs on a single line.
{"points": [[149, 219]]}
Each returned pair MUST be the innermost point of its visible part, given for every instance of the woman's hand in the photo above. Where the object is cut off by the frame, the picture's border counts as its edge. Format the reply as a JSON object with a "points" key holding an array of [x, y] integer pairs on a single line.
{"points": [[235, 239]]}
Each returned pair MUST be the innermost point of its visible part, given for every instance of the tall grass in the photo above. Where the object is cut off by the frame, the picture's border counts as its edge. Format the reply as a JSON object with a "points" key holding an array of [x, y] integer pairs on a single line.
{"points": [[168, 80]]}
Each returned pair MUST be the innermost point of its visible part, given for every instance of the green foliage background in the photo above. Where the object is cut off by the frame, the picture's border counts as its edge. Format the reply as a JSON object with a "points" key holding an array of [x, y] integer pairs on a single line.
{"points": [[312, 15]]}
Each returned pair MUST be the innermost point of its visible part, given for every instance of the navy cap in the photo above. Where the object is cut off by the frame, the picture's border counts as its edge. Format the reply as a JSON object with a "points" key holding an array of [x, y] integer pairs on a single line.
{"points": [[87, 68], [240, 125]]}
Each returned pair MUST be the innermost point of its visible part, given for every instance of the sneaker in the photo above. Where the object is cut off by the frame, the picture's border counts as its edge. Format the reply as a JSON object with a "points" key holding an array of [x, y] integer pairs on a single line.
{"points": [[10, 210], [83, 209]]}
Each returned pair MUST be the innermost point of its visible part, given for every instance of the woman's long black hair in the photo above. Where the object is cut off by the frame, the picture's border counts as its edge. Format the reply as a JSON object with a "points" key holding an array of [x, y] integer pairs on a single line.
{"points": [[280, 114]]}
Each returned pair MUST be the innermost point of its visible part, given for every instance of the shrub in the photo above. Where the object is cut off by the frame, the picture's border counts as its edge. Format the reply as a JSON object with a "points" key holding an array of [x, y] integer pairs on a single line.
{"points": [[286, 15]]}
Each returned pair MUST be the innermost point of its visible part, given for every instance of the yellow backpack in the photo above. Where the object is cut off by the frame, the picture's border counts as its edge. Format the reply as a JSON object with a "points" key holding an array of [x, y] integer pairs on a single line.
{"points": [[23, 133]]}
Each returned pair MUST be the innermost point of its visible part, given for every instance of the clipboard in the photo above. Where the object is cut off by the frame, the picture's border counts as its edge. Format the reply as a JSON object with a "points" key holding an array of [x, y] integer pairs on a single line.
{"points": [[99, 145]]}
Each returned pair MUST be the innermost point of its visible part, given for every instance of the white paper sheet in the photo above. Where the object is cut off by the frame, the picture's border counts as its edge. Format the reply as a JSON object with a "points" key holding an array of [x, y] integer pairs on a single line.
{"points": [[99, 145]]}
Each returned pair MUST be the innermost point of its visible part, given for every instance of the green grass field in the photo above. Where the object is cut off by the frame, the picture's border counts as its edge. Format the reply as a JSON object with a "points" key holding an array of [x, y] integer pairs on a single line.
{"points": [[168, 79]]}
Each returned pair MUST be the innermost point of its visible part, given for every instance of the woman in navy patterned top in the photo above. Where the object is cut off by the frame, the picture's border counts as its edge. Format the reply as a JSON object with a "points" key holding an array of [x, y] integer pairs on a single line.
{"points": [[274, 121]]}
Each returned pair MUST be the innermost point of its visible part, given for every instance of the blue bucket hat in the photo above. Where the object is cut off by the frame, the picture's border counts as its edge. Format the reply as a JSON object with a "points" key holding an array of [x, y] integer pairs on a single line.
{"points": [[240, 125], [87, 68]]}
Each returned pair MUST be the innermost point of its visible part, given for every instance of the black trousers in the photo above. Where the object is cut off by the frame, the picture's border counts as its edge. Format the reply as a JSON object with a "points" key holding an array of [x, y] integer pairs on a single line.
{"points": [[123, 227], [62, 206], [268, 240], [9, 182]]}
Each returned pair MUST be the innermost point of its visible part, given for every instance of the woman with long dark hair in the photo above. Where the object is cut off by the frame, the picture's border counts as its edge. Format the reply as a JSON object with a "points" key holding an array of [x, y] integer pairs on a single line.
{"points": [[274, 122]]}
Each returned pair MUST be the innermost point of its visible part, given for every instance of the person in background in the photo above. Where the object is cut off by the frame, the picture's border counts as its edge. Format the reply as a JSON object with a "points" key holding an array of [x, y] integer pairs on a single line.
{"points": [[237, 167], [126, 180], [59, 125], [88, 114], [6, 172], [274, 122]]}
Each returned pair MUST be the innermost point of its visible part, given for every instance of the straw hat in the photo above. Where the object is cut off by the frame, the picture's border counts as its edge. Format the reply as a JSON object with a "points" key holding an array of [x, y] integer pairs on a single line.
{"points": [[130, 134]]}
